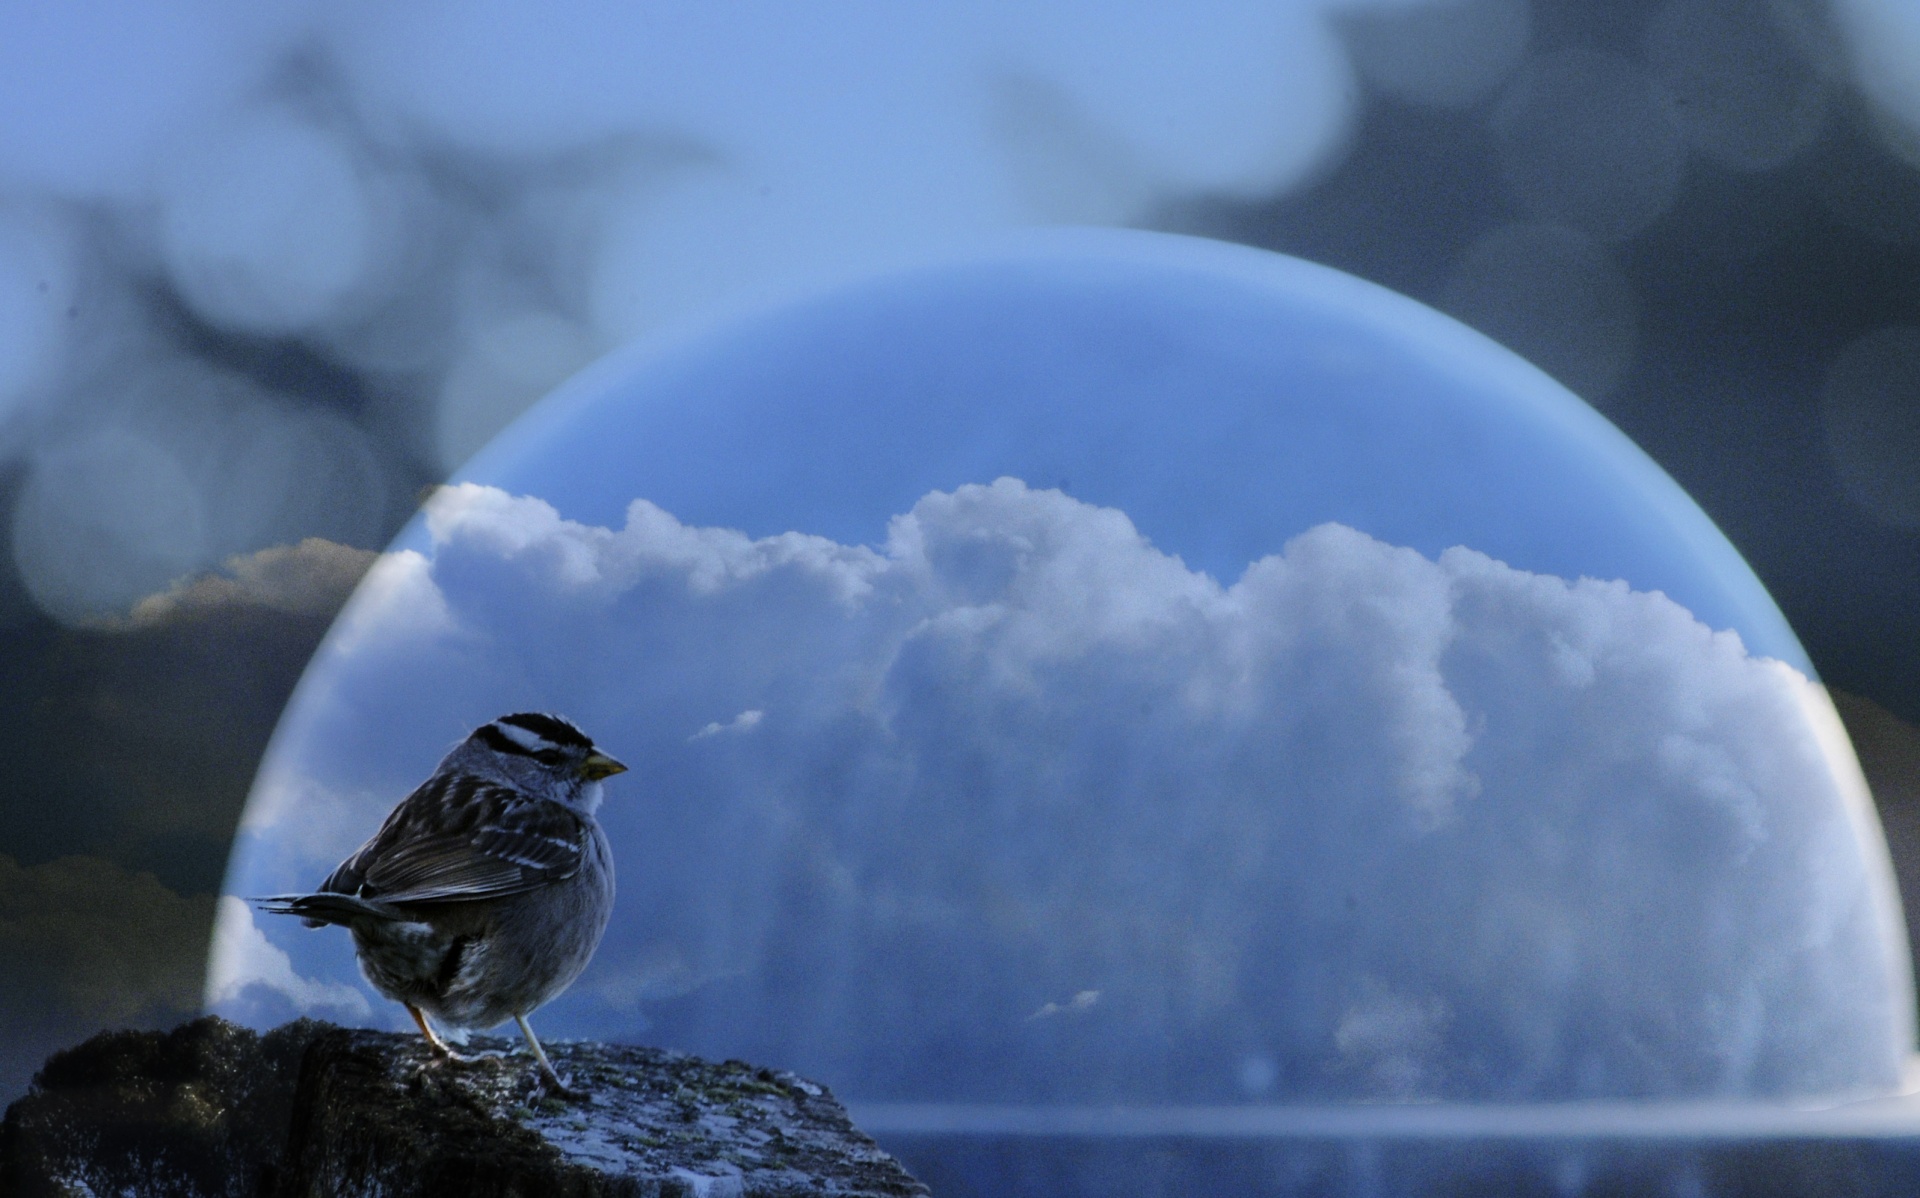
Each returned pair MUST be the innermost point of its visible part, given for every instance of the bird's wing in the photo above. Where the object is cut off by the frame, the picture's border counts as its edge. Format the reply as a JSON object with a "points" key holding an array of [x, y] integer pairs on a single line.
{"points": [[459, 838]]}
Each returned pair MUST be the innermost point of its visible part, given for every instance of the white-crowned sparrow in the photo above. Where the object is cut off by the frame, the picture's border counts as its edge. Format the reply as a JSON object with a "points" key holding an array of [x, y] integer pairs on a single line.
{"points": [[485, 892]]}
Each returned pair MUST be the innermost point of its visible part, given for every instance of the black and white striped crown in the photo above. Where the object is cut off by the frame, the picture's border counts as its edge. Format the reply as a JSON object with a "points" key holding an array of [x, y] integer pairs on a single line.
{"points": [[532, 733]]}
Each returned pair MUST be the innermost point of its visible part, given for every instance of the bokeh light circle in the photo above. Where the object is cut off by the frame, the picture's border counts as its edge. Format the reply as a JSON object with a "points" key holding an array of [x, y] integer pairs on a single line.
{"points": [[1587, 139], [1448, 54], [1744, 94], [273, 226], [974, 761], [180, 467], [39, 278], [105, 519], [1871, 409], [508, 361], [1553, 295]]}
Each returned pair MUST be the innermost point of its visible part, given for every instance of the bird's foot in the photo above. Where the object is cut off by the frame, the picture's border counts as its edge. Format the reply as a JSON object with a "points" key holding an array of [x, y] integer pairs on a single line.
{"points": [[551, 1080], [452, 1056], [439, 1047], [555, 1088]]}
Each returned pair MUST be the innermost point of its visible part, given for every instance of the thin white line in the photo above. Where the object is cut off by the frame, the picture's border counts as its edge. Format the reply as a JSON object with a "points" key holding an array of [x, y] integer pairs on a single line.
{"points": [[1877, 1119]]}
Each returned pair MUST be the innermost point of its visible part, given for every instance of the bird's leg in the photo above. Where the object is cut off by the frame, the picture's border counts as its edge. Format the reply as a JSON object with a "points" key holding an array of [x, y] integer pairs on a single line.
{"points": [[440, 1047], [552, 1079]]}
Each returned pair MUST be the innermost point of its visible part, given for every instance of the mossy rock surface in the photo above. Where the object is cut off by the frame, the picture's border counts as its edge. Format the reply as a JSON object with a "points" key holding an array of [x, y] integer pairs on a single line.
{"points": [[211, 1109]]}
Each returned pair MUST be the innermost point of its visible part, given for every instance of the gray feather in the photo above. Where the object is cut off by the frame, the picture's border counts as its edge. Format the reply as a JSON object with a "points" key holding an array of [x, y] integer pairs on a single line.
{"points": [[318, 910]]}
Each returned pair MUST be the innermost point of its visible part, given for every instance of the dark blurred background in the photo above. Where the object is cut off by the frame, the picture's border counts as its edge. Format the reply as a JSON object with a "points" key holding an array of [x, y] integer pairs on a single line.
{"points": [[267, 274]]}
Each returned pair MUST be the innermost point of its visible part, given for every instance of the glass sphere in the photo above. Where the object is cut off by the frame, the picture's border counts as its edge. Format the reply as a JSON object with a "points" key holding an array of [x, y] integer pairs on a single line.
{"points": [[1121, 670]]}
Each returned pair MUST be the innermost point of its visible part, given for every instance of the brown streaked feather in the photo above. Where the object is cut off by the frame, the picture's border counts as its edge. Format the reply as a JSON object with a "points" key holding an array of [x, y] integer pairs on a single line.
{"points": [[459, 838]]}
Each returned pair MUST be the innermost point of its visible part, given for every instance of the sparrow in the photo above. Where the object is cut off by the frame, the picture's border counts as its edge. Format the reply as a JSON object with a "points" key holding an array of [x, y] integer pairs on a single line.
{"points": [[486, 891]]}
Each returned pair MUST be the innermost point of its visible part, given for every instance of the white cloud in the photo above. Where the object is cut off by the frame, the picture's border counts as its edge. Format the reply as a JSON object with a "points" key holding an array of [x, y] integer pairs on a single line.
{"points": [[1078, 1004], [242, 959], [1395, 825], [329, 824], [746, 721], [396, 600]]}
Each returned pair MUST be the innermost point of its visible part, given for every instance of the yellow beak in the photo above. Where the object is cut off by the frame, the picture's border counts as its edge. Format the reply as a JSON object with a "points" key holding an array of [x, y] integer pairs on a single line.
{"points": [[599, 766]]}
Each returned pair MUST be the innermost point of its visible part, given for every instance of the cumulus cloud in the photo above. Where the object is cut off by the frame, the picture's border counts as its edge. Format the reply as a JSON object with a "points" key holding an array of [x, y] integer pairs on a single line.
{"points": [[329, 825], [1392, 1039], [244, 969], [312, 578], [1390, 825]]}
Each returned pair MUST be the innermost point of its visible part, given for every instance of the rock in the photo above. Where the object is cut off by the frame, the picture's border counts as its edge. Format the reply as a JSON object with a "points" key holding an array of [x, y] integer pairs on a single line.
{"points": [[376, 1113], [200, 1110], [309, 1109]]}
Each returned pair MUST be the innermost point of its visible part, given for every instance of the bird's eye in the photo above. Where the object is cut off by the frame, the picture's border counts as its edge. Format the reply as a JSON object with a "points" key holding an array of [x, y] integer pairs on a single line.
{"points": [[548, 756]]}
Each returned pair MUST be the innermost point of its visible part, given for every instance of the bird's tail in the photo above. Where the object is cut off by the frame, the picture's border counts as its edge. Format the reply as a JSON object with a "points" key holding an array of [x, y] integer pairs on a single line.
{"points": [[318, 910]]}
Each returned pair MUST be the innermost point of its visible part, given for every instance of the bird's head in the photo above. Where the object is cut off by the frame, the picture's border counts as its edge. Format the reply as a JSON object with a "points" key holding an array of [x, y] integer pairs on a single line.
{"points": [[542, 754]]}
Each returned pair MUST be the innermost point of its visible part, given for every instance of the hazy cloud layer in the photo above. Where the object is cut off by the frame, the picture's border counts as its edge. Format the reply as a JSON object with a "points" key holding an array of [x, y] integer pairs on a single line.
{"points": [[1889, 749], [1358, 823], [86, 944], [148, 728], [114, 932], [312, 578], [129, 757]]}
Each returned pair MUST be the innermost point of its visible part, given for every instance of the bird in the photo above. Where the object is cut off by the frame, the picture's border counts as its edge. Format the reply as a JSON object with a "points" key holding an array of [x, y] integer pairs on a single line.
{"points": [[486, 891]]}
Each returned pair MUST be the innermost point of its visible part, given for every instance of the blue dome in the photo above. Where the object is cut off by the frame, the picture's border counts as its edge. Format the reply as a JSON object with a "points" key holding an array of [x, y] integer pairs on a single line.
{"points": [[1123, 669], [1225, 398]]}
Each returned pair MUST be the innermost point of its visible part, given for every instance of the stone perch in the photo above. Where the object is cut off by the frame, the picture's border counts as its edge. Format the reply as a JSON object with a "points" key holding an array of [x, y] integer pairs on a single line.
{"points": [[210, 1109]]}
